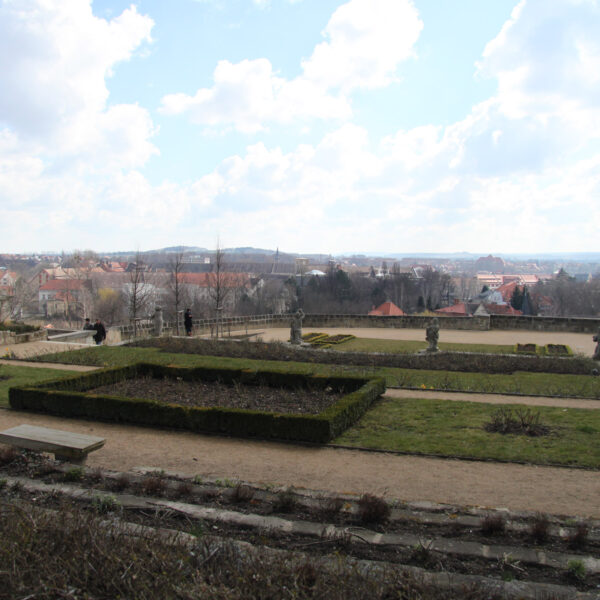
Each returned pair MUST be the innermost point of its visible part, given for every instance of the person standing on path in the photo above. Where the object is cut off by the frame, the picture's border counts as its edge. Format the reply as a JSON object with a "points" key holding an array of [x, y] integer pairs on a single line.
{"points": [[100, 334], [187, 322]]}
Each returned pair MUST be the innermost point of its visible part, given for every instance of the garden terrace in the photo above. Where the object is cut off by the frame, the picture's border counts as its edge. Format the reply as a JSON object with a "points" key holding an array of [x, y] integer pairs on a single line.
{"points": [[77, 397]]}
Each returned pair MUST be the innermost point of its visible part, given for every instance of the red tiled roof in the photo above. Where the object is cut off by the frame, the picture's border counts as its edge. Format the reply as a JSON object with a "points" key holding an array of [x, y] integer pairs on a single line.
{"points": [[502, 309], [459, 309], [507, 290], [209, 279], [62, 284], [387, 309]]}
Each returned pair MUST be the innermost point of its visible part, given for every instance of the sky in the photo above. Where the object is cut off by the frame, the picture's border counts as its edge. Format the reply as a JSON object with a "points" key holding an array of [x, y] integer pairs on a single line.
{"points": [[358, 126]]}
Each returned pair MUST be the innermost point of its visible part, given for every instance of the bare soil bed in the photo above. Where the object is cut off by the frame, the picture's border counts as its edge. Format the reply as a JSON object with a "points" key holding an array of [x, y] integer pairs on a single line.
{"points": [[212, 394]]}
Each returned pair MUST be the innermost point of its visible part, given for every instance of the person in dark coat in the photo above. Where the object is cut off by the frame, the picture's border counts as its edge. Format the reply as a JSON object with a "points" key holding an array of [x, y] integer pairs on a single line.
{"points": [[88, 326], [100, 334], [187, 321]]}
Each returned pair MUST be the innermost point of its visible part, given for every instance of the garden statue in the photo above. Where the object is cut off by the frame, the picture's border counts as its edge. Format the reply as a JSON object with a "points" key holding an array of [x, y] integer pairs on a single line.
{"points": [[433, 335], [158, 321], [597, 350], [296, 327]]}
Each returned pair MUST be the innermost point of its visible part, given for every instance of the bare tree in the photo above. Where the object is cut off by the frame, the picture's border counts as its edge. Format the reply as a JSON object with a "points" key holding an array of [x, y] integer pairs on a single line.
{"points": [[140, 291], [177, 291], [218, 289]]}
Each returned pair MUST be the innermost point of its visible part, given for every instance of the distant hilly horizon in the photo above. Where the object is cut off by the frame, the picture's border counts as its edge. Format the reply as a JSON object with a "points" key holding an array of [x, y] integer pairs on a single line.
{"points": [[571, 256]]}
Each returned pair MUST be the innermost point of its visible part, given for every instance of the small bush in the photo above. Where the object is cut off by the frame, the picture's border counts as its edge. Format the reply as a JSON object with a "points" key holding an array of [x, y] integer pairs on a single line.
{"points": [[105, 504], [330, 505], [578, 539], [575, 571], [516, 421], [7, 455], [493, 525], [241, 493], [539, 529], [74, 474], [120, 483], [184, 488], [96, 476], [153, 486], [285, 501], [373, 509]]}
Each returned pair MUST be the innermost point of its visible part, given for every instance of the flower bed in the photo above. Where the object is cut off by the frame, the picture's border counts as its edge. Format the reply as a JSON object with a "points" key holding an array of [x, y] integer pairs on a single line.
{"points": [[74, 397]]}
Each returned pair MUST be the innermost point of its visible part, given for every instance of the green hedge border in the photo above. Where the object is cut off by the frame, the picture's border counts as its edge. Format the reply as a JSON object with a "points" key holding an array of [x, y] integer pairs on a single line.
{"points": [[67, 397]]}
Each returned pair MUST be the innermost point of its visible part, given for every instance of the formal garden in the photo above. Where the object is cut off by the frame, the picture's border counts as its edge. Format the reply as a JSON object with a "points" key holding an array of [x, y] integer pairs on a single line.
{"points": [[336, 392]]}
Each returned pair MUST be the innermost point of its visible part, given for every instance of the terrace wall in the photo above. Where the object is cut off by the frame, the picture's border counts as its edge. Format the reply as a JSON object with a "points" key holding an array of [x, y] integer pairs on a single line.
{"points": [[10, 337], [145, 328]]}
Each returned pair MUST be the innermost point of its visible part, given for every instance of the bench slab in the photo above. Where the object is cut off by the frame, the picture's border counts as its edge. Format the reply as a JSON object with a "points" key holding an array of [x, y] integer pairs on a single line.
{"points": [[64, 444]]}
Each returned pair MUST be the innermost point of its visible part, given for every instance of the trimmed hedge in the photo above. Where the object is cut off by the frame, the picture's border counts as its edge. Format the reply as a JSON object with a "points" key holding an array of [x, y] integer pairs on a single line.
{"points": [[440, 361], [68, 397]]}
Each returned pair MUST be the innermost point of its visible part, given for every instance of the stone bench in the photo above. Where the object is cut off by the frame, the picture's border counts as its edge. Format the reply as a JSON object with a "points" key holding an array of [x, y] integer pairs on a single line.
{"points": [[65, 445]]}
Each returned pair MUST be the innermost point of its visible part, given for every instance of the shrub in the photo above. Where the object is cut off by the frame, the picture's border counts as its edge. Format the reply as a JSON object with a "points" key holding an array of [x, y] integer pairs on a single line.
{"points": [[330, 506], [578, 539], [153, 485], [8, 454], [241, 493], [74, 474], [520, 421], [373, 509], [184, 488], [493, 525], [120, 483], [285, 501], [105, 504], [575, 570], [539, 529]]}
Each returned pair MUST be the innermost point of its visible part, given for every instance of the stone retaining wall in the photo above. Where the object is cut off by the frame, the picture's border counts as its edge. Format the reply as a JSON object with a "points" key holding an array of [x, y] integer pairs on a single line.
{"points": [[10, 337], [407, 322], [571, 324]]}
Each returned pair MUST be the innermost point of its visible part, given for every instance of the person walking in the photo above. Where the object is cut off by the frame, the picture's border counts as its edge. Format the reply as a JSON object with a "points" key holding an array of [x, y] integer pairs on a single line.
{"points": [[100, 334], [187, 322]]}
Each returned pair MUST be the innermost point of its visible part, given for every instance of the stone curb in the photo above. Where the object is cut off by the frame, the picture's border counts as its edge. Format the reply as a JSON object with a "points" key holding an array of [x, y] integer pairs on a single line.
{"points": [[514, 590], [556, 560]]}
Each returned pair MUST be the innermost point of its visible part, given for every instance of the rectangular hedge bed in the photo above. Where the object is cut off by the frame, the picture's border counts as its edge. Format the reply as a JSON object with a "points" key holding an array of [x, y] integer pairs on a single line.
{"points": [[73, 397]]}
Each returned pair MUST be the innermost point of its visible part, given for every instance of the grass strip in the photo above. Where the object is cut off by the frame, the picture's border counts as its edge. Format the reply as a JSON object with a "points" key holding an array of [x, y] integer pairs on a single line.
{"points": [[17, 376], [455, 429], [410, 346], [526, 383]]}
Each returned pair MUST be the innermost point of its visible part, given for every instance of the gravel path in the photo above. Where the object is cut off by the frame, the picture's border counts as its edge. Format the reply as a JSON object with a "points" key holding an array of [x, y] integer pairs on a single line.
{"points": [[409, 478], [495, 398]]}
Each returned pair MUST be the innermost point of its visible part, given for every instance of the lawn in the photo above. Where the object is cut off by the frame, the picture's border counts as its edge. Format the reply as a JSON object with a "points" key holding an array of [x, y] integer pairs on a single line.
{"points": [[534, 384], [24, 376], [410, 346], [447, 428]]}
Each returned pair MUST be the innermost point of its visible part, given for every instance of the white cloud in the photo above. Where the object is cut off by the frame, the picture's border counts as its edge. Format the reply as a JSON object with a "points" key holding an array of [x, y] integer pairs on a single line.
{"points": [[55, 56], [248, 94], [366, 40]]}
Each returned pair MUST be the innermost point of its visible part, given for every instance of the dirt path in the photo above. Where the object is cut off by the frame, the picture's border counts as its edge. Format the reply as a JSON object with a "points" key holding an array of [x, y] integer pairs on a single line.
{"points": [[579, 342], [38, 365], [552, 490], [495, 398]]}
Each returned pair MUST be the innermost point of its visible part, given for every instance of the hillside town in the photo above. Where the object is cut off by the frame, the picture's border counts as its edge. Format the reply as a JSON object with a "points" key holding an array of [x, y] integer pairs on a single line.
{"points": [[63, 290]]}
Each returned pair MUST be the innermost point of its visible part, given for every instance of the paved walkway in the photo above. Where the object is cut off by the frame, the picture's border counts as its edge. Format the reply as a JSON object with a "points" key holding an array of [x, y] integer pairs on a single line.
{"points": [[31, 349]]}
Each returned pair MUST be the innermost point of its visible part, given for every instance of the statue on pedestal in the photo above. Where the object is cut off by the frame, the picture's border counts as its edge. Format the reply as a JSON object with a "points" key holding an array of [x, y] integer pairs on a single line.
{"points": [[597, 350], [296, 327], [158, 321], [433, 335]]}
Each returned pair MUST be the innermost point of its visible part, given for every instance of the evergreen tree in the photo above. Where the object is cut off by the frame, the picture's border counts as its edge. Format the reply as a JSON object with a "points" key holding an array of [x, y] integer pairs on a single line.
{"points": [[516, 300]]}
